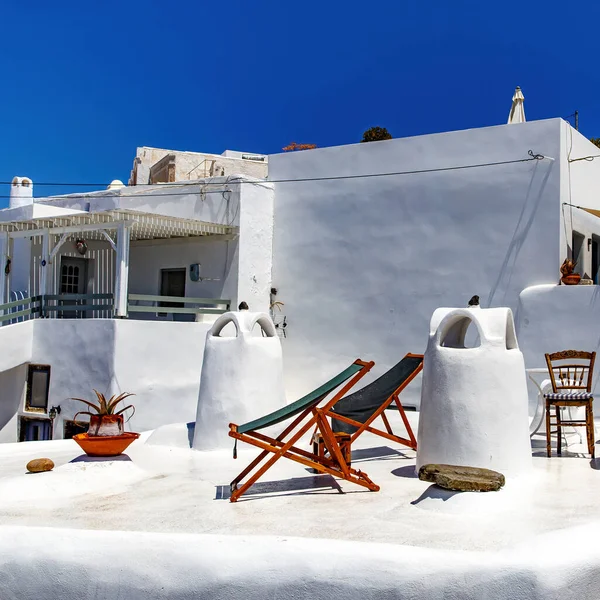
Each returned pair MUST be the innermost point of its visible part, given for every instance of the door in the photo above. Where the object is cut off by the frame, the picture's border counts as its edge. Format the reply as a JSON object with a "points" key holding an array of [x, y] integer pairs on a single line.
{"points": [[172, 283], [73, 280], [34, 430]]}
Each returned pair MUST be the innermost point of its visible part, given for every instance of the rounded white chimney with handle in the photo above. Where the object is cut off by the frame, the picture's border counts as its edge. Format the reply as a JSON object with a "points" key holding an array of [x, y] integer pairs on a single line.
{"points": [[474, 404], [21, 192], [242, 377]]}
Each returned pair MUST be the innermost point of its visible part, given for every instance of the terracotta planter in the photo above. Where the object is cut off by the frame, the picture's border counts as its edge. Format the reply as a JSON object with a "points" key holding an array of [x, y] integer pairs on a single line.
{"points": [[105, 425], [105, 445], [572, 279]]}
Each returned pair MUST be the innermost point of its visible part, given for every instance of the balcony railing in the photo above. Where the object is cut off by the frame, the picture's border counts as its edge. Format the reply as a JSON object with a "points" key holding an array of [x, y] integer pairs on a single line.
{"points": [[177, 305], [78, 306], [20, 310]]}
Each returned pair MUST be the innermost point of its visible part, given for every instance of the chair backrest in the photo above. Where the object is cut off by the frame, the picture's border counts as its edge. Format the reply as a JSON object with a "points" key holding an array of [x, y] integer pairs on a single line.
{"points": [[308, 401], [571, 370]]}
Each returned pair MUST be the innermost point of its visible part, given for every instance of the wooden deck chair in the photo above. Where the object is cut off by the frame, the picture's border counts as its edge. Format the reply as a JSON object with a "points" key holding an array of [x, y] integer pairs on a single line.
{"points": [[308, 415], [355, 413]]}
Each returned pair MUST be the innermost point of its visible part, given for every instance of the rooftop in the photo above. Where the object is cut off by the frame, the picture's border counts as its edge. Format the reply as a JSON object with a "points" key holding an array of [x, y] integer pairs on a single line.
{"points": [[167, 489]]}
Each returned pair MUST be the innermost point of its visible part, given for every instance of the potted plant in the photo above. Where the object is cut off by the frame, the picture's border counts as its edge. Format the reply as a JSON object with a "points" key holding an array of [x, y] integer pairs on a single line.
{"points": [[106, 420], [568, 276], [105, 435]]}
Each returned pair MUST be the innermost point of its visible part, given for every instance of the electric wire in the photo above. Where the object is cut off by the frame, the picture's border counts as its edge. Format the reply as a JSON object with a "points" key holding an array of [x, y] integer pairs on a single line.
{"points": [[532, 157]]}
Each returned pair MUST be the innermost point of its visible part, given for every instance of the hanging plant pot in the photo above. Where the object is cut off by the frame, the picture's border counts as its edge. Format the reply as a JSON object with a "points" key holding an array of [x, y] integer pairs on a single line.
{"points": [[81, 246], [571, 279]]}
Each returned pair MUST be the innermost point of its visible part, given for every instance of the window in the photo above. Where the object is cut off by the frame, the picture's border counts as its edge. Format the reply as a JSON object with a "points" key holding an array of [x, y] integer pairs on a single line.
{"points": [[577, 251], [38, 386]]}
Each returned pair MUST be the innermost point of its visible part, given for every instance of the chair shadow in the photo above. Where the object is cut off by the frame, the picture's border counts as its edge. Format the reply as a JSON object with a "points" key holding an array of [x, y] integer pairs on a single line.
{"points": [[435, 492], [565, 454], [380, 452], [538, 443], [369, 454], [93, 459], [408, 472], [297, 486]]}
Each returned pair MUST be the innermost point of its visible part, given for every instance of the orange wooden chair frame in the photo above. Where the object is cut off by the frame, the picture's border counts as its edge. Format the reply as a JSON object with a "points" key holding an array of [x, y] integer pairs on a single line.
{"points": [[284, 444]]}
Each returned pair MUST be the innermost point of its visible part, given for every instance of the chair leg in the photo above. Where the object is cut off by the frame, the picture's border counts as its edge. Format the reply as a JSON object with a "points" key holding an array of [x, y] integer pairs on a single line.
{"points": [[548, 431], [589, 417], [558, 432]]}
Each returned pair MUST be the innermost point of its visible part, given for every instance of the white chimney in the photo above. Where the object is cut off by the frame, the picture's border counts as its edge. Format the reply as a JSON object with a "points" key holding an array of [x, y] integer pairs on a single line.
{"points": [[21, 192]]}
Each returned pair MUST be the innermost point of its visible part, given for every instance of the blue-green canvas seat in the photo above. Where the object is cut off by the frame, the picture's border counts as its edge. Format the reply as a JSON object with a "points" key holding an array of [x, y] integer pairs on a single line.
{"points": [[356, 413]]}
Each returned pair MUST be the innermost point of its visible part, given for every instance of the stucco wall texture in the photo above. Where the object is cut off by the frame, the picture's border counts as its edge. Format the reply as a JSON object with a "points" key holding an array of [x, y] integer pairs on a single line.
{"points": [[362, 263]]}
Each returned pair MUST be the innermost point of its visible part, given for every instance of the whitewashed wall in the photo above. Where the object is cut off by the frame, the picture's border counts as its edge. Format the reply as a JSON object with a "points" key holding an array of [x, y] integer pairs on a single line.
{"points": [[254, 251], [551, 318], [159, 362], [12, 400], [361, 264]]}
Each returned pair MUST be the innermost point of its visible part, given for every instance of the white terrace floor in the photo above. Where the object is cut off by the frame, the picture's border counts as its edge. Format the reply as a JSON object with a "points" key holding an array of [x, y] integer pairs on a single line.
{"points": [[162, 489]]}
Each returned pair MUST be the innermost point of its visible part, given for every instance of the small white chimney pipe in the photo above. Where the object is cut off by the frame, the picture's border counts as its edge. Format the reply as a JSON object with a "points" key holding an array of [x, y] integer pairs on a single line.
{"points": [[21, 192]]}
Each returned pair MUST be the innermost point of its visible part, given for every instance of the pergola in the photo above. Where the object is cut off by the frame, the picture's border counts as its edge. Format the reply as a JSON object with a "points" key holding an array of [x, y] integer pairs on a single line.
{"points": [[118, 227]]}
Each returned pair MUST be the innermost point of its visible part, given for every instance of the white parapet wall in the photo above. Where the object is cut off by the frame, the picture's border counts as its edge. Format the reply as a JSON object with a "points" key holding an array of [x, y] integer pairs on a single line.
{"points": [[17, 345], [72, 564], [552, 318], [159, 362]]}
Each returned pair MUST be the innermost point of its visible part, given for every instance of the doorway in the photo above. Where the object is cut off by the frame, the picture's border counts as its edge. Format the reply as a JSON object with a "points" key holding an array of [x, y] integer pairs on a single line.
{"points": [[596, 259], [577, 251], [172, 283], [34, 430], [73, 280]]}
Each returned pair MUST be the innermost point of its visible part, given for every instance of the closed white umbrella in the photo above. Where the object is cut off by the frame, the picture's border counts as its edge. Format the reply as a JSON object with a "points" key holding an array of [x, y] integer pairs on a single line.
{"points": [[517, 110]]}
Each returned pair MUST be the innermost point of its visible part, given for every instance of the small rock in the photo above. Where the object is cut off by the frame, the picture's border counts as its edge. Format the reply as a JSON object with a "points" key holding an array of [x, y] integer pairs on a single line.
{"points": [[39, 465], [462, 479]]}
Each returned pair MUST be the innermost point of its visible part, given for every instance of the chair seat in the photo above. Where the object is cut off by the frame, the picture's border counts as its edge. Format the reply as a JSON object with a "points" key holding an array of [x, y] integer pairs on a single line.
{"points": [[569, 396]]}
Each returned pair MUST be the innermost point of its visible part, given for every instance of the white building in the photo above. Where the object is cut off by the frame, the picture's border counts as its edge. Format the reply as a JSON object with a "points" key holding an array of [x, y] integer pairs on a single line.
{"points": [[156, 165], [361, 263], [360, 243], [74, 262]]}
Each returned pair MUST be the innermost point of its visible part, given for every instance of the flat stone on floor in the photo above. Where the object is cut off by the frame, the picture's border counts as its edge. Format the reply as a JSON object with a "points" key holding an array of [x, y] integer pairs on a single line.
{"points": [[462, 479]]}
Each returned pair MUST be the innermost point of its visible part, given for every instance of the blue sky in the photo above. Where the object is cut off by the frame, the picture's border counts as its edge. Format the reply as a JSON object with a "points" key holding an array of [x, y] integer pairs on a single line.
{"points": [[85, 83]]}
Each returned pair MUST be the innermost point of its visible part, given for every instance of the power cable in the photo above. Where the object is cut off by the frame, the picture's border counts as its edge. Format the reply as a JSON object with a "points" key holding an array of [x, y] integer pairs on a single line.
{"points": [[532, 157]]}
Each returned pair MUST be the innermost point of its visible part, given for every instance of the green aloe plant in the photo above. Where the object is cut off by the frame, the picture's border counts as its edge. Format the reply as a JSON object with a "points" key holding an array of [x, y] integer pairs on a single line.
{"points": [[104, 406]]}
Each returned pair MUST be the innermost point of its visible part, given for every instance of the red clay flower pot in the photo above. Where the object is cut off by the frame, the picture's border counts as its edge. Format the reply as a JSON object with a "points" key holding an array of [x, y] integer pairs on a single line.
{"points": [[572, 279], [105, 445]]}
